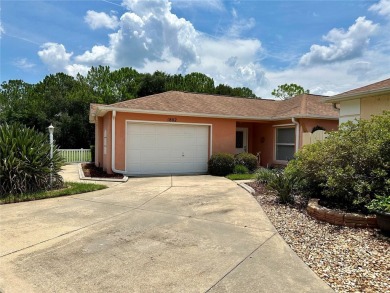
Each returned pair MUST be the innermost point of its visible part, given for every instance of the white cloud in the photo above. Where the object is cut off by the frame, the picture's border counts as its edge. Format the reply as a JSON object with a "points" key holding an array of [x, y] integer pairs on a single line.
{"points": [[240, 25], [101, 20], [382, 8], [23, 64], [74, 69], [344, 45], [54, 56]]}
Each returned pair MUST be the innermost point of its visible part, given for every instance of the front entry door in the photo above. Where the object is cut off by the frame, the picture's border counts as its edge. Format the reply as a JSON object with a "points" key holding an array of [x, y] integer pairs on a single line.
{"points": [[241, 140]]}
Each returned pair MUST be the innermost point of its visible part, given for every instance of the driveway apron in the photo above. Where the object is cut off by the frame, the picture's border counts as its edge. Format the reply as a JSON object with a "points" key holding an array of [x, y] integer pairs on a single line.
{"points": [[156, 234]]}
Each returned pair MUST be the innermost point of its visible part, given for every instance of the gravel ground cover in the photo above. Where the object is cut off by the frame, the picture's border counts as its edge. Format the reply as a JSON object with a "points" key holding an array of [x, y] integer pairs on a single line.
{"points": [[348, 259]]}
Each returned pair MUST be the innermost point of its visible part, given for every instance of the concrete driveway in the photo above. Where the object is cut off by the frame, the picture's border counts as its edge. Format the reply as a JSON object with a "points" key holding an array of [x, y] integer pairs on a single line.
{"points": [[162, 234]]}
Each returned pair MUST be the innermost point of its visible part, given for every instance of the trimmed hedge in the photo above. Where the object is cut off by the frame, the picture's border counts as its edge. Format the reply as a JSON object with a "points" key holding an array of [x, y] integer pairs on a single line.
{"points": [[246, 159], [221, 164]]}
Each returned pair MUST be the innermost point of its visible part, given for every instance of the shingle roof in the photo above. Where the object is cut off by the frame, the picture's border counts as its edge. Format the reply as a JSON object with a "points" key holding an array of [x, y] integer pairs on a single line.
{"points": [[368, 89], [305, 105]]}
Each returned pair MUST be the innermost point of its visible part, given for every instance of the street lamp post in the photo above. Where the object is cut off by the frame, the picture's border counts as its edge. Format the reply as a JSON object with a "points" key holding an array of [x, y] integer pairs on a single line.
{"points": [[51, 131]]}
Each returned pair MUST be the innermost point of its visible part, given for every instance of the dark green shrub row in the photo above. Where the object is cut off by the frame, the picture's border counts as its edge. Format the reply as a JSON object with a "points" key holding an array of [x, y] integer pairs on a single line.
{"points": [[350, 167], [25, 163], [222, 164]]}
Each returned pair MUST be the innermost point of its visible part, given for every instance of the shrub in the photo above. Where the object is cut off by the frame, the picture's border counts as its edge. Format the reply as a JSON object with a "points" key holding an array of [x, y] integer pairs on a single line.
{"points": [[263, 175], [25, 163], [350, 167], [380, 204], [283, 185], [246, 159], [221, 164], [240, 169]]}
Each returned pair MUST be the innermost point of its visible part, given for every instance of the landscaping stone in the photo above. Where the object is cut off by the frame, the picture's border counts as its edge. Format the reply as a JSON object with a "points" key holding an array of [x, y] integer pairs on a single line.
{"points": [[348, 259]]}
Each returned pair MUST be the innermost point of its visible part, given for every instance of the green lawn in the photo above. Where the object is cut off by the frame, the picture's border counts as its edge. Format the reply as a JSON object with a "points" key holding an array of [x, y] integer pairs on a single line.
{"points": [[240, 176], [70, 189]]}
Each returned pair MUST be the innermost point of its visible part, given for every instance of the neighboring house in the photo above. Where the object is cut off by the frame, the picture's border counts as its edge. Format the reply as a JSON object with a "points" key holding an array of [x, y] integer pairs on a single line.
{"points": [[362, 103], [177, 132]]}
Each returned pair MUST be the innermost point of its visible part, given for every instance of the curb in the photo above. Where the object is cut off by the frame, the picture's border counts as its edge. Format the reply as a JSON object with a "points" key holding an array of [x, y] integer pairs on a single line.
{"points": [[82, 177], [246, 187]]}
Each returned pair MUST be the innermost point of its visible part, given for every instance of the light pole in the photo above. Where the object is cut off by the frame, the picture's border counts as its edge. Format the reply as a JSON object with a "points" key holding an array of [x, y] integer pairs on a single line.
{"points": [[51, 131]]}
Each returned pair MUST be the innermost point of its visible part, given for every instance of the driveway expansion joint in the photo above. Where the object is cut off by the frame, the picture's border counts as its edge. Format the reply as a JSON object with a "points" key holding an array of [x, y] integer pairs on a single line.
{"points": [[240, 262]]}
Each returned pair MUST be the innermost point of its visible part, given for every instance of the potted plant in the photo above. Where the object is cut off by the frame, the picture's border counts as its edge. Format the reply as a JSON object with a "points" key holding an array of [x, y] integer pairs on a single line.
{"points": [[381, 206]]}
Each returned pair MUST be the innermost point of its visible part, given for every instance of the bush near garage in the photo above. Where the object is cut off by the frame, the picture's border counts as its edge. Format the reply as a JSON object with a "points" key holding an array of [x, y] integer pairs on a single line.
{"points": [[221, 164], [240, 169], [25, 164], [246, 159], [350, 167]]}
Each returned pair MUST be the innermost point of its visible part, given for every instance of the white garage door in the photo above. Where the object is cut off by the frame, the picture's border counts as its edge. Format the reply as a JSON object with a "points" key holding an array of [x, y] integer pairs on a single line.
{"points": [[158, 148]]}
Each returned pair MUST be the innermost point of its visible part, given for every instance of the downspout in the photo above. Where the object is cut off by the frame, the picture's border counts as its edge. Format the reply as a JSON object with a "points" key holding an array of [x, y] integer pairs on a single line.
{"points": [[335, 106], [296, 133], [113, 145]]}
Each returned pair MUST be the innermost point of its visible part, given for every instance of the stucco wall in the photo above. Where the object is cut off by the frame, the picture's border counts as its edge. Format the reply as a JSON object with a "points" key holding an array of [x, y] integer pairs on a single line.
{"points": [[223, 132], [374, 105]]}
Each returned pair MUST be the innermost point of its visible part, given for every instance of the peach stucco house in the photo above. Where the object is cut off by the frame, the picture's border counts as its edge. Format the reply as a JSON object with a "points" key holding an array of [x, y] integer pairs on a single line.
{"points": [[177, 132], [363, 102]]}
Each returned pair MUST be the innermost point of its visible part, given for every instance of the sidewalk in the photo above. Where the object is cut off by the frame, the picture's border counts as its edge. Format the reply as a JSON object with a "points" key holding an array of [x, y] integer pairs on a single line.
{"points": [[70, 173]]}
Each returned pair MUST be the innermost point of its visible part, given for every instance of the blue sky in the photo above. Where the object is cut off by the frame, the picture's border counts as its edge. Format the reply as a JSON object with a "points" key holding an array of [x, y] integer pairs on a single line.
{"points": [[326, 46]]}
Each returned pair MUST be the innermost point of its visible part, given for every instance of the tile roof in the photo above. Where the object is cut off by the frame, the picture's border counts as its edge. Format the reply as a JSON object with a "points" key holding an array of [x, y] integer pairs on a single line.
{"points": [[305, 105], [368, 89]]}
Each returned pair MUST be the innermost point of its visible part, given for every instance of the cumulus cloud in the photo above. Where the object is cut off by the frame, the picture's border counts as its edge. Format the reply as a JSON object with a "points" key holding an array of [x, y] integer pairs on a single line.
{"points": [[344, 45], [101, 20], [382, 8], [54, 55], [150, 37]]}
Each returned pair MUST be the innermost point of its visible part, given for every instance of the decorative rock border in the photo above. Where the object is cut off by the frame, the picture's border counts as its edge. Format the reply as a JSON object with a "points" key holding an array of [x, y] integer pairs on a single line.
{"points": [[321, 213]]}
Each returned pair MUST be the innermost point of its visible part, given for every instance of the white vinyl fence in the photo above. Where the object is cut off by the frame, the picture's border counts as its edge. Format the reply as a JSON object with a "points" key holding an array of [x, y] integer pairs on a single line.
{"points": [[76, 155]]}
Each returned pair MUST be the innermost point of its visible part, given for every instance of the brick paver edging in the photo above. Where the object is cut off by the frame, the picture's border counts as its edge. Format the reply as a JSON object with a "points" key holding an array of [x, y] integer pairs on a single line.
{"points": [[340, 218]]}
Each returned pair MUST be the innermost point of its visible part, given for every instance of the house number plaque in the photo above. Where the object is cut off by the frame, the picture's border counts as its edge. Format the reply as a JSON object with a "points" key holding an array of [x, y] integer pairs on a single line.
{"points": [[172, 119]]}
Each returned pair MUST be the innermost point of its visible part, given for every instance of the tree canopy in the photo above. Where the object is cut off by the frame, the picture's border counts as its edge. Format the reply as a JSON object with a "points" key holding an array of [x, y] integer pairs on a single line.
{"points": [[287, 91], [64, 100]]}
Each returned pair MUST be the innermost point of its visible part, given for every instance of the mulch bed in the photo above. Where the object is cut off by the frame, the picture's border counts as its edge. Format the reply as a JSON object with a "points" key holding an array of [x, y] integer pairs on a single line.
{"points": [[348, 259], [90, 170]]}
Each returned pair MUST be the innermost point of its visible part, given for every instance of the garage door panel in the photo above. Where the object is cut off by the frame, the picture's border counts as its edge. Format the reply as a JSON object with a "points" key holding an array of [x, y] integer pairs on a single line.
{"points": [[153, 148]]}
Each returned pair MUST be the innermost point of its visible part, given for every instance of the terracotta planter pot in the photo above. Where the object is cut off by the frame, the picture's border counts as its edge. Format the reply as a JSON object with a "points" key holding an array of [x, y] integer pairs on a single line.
{"points": [[383, 220]]}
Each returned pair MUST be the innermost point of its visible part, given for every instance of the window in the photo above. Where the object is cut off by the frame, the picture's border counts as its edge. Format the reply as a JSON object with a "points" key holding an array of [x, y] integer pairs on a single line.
{"points": [[285, 144]]}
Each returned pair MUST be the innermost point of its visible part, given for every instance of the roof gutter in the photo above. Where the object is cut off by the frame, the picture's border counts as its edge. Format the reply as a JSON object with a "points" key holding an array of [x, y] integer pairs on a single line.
{"points": [[113, 145], [296, 133]]}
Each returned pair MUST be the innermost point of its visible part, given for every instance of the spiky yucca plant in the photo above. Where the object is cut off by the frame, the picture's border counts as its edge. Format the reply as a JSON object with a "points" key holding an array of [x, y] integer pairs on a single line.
{"points": [[25, 163]]}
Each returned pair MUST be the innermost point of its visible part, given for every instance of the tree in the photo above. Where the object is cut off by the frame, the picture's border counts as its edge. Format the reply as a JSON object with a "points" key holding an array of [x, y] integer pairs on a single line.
{"points": [[287, 91]]}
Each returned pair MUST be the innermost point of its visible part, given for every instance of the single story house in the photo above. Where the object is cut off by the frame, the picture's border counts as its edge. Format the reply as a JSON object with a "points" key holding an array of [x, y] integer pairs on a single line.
{"points": [[363, 102], [177, 132]]}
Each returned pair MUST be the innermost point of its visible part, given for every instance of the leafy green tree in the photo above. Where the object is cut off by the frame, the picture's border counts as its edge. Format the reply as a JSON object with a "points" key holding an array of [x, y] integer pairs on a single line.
{"points": [[151, 84], [15, 101], [198, 83], [287, 91]]}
